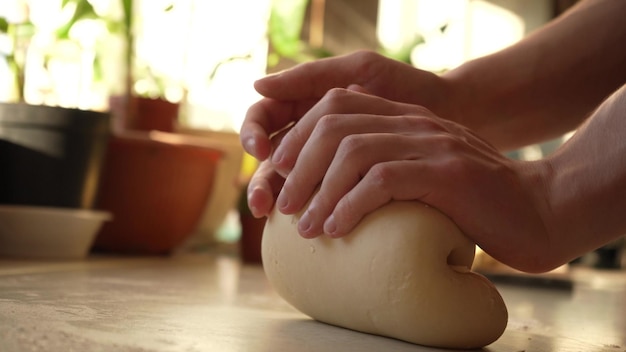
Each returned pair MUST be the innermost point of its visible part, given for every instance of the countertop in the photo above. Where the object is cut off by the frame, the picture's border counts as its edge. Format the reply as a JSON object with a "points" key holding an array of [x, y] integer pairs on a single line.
{"points": [[210, 301]]}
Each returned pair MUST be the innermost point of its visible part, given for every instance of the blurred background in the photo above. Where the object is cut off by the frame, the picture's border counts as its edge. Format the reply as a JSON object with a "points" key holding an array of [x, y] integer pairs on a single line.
{"points": [[205, 54], [198, 59]]}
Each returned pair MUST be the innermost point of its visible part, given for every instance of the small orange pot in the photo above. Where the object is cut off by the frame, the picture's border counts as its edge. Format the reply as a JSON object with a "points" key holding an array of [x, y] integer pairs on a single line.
{"points": [[251, 238], [143, 114], [156, 190]]}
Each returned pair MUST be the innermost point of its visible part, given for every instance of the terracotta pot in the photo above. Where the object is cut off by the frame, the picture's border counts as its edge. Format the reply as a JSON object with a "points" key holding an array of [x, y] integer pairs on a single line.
{"points": [[156, 189], [226, 187], [143, 114], [251, 238]]}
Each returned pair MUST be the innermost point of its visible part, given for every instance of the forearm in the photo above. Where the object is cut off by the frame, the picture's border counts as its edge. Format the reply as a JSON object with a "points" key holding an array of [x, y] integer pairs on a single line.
{"points": [[587, 190], [549, 82]]}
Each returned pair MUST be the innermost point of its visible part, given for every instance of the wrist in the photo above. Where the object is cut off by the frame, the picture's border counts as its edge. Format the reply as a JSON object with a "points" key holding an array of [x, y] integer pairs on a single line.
{"points": [[459, 102], [473, 99], [537, 178]]}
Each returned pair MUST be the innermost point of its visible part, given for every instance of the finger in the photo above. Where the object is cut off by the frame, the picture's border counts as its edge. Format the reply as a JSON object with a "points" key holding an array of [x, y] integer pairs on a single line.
{"points": [[376, 73], [446, 167], [275, 141], [355, 156], [265, 118], [314, 79], [263, 189], [316, 156], [393, 180], [319, 151], [336, 101]]}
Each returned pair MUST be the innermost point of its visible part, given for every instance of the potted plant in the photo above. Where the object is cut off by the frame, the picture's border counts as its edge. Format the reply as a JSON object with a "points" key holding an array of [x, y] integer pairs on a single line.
{"points": [[140, 110], [287, 47], [251, 231], [51, 155]]}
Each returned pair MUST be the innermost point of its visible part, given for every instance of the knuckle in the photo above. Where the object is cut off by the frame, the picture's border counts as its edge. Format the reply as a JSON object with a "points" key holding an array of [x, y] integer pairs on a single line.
{"points": [[294, 134], [352, 145], [367, 55], [334, 100], [346, 211], [368, 64], [364, 59], [455, 166], [422, 121], [382, 176], [326, 126], [335, 94], [288, 143], [328, 123], [447, 143], [423, 111]]}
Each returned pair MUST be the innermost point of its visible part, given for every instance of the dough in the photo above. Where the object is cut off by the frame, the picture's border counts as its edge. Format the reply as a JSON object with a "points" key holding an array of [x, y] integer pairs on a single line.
{"points": [[404, 272]]}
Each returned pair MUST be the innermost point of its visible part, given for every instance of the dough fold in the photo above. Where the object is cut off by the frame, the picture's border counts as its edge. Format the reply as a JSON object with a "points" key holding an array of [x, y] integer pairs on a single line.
{"points": [[403, 272]]}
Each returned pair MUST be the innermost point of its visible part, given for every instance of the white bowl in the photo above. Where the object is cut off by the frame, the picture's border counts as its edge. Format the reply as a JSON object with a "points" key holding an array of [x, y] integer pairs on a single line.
{"points": [[48, 233]]}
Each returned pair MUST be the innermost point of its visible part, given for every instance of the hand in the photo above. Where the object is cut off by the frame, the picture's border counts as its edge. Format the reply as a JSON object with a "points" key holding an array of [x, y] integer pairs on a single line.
{"points": [[290, 94], [363, 151]]}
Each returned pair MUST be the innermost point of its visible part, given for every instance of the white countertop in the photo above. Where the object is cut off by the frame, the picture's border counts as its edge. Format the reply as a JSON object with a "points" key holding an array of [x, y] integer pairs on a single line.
{"points": [[211, 302]]}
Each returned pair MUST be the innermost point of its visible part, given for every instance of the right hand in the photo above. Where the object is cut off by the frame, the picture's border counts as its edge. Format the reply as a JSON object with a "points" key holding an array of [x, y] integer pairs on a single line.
{"points": [[290, 94]]}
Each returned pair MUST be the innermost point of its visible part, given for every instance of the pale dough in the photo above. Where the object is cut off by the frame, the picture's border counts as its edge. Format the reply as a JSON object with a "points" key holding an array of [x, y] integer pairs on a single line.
{"points": [[404, 273]]}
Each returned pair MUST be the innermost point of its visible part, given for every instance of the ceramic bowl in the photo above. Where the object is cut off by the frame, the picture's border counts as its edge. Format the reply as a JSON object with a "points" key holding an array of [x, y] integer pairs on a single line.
{"points": [[47, 232]]}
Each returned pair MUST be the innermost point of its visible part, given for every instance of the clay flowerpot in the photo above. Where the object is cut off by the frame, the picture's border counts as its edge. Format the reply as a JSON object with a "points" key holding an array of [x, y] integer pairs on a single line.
{"points": [[156, 187], [251, 231], [251, 238], [143, 114], [51, 156], [226, 186]]}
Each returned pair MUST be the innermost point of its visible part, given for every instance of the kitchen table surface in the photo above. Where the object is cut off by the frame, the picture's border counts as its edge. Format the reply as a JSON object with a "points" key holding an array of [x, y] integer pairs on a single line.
{"points": [[210, 301]]}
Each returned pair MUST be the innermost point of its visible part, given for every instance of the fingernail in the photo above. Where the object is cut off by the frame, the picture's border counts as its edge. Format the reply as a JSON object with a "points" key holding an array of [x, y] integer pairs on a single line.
{"points": [[253, 209], [330, 226], [277, 157], [250, 145], [282, 202], [304, 225]]}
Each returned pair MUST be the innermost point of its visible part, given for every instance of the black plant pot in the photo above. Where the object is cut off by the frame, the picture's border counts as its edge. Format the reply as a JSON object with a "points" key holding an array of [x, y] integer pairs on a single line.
{"points": [[51, 156]]}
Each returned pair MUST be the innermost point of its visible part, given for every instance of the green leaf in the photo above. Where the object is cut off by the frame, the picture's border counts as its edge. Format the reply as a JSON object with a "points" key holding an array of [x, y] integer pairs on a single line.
{"points": [[403, 54], [128, 14], [285, 26], [4, 25], [84, 10], [98, 70]]}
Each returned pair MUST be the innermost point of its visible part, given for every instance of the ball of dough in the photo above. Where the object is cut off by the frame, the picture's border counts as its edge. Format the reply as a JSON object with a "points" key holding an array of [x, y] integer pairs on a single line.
{"points": [[403, 272]]}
